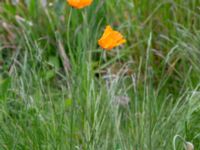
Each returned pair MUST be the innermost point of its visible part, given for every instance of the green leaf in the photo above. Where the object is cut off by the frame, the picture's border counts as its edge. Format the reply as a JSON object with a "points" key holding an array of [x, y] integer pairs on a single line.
{"points": [[49, 74], [68, 103], [4, 86], [54, 61]]}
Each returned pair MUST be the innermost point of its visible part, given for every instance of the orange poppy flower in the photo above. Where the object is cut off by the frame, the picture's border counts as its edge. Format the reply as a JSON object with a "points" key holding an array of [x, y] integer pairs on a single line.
{"points": [[111, 39], [79, 3]]}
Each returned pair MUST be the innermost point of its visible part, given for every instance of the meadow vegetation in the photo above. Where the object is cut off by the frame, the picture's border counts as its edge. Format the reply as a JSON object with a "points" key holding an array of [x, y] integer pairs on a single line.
{"points": [[60, 90]]}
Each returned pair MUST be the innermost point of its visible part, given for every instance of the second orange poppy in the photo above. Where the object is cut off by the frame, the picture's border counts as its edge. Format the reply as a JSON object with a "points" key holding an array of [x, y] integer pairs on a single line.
{"points": [[79, 3], [111, 39]]}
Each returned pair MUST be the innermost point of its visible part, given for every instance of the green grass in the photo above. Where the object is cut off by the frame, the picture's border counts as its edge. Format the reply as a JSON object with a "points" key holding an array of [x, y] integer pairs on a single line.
{"points": [[45, 106]]}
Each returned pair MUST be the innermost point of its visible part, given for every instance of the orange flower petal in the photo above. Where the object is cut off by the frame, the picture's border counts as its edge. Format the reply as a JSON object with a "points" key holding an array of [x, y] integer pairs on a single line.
{"points": [[111, 39], [107, 30], [79, 3]]}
